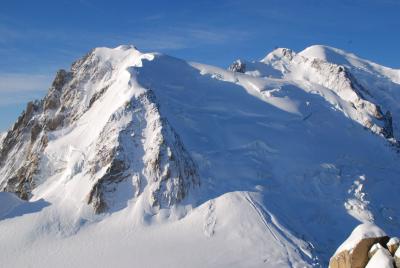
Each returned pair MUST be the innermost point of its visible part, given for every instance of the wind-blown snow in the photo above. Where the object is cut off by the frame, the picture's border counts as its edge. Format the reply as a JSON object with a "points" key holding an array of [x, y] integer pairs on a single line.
{"points": [[289, 154]]}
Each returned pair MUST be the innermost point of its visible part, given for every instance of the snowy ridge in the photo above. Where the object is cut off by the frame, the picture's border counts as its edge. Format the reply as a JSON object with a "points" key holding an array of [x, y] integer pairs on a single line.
{"points": [[266, 164], [335, 75], [337, 56]]}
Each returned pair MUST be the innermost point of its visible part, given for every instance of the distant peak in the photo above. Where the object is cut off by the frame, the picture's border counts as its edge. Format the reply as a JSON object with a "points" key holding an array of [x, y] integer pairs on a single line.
{"points": [[325, 53], [279, 53], [116, 50]]}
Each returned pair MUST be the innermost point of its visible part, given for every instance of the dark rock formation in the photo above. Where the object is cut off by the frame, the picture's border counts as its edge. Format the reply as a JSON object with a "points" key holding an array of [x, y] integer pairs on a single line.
{"points": [[237, 66], [388, 125]]}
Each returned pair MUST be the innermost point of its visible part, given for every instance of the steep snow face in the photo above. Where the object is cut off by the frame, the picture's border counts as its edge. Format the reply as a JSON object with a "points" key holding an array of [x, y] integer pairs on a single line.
{"points": [[266, 164]]}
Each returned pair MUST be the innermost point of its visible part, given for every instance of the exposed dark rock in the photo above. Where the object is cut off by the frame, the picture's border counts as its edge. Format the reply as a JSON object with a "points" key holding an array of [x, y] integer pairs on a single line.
{"points": [[238, 66], [378, 115], [79, 63], [55, 122], [19, 129], [287, 53], [52, 99], [61, 79], [35, 131], [113, 175], [22, 183], [388, 125], [51, 103], [97, 95], [24, 143]]}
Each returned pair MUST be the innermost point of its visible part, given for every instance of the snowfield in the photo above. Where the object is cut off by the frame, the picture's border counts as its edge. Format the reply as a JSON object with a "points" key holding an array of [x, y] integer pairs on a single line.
{"points": [[158, 162]]}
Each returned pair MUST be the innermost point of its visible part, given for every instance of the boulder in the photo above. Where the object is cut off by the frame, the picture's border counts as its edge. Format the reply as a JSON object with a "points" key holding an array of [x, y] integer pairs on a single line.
{"points": [[393, 245], [353, 253], [238, 66], [357, 257]]}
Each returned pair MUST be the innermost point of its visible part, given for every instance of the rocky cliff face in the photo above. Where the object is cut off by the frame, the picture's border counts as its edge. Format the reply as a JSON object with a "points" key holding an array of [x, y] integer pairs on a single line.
{"points": [[135, 143]]}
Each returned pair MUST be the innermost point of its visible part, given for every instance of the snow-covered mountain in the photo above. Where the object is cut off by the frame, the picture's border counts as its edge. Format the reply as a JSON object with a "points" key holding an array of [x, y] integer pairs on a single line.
{"points": [[148, 160]]}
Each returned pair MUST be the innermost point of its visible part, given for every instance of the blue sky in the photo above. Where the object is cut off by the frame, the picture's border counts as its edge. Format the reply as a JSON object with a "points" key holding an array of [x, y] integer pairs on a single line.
{"points": [[39, 37]]}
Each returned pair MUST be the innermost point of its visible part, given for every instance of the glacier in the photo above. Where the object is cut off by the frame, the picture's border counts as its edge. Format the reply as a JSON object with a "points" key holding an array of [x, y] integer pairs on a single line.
{"points": [[147, 160]]}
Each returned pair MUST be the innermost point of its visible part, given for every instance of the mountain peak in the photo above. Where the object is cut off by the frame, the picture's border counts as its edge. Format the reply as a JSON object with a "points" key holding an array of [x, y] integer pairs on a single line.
{"points": [[329, 54]]}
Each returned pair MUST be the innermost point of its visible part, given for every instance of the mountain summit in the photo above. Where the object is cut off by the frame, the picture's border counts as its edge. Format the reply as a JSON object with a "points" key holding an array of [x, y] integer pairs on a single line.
{"points": [[144, 159]]}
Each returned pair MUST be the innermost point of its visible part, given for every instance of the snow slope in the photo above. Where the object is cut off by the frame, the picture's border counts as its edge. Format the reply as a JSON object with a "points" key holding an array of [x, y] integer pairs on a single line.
{"points": [[158, 162]]}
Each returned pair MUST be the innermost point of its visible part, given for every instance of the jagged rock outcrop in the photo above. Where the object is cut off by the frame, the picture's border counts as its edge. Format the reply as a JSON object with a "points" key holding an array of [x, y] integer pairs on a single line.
{"points": [[388, 125], [238, 66], [21, 150], [149, 151], [28, 139]]}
